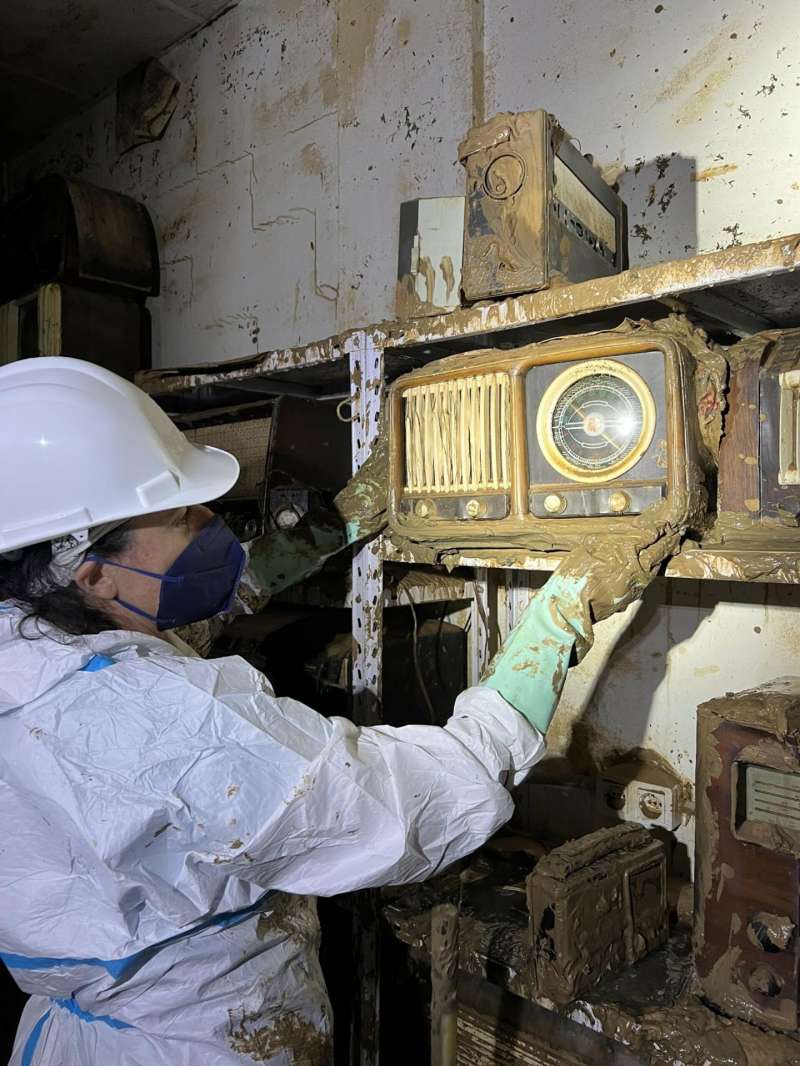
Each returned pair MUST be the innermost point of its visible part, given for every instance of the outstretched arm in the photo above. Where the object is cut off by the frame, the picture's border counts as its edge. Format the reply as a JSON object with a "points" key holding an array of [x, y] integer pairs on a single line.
{"points": [[594, 581]]}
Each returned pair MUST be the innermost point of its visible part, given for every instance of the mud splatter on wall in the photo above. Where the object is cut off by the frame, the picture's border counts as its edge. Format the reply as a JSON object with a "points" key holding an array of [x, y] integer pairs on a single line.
{"points": [[276, 188], [301, 127], [664, 93]]}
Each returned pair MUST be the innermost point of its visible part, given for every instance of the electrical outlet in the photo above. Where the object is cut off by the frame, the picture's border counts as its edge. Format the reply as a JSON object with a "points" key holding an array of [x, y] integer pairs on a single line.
{"points": [[640, 793]]}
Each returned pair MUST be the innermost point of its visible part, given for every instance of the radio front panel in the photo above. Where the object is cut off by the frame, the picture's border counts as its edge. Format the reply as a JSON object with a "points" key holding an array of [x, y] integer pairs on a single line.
{"points": [[592, 428], [557, 439]]}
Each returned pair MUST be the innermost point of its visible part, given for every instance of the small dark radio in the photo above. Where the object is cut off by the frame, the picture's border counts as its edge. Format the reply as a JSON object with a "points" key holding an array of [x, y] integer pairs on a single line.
{"points": [[535, 209], [539, 447], [747, 881]]}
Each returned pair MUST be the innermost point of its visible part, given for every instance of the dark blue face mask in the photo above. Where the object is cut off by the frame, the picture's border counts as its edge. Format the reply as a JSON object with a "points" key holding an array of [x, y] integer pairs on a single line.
{"points": [[201, 583]]}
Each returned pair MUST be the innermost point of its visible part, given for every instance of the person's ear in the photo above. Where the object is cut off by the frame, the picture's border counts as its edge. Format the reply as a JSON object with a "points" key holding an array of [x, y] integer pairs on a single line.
{"points": [[95, 579]]}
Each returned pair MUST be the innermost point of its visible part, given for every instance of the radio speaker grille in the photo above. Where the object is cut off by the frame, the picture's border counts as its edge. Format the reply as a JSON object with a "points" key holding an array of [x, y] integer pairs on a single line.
{"points": [[457, 435]]}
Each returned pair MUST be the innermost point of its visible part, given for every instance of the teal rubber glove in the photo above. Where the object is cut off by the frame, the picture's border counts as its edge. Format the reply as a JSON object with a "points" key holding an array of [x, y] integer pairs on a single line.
{"points": [[362, 503], [593, 582]]}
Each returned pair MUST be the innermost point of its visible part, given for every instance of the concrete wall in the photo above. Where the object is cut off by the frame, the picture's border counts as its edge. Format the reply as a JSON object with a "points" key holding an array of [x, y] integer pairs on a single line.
{"points": [[693, 103], [276, 187], [301, 127]]}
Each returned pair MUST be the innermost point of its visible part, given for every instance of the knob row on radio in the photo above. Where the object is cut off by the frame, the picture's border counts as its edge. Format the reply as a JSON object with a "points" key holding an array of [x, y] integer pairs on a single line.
{"points": [[618, 503], [555, 504], [473, 508]]}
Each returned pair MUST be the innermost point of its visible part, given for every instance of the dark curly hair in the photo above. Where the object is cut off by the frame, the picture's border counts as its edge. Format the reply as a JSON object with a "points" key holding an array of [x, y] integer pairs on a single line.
{"points": [[28, 583]]}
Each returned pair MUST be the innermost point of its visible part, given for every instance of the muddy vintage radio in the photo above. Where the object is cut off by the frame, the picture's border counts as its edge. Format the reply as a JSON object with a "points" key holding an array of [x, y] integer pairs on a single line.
{"points": [[747, 883], [541, 446], [535, 209]]}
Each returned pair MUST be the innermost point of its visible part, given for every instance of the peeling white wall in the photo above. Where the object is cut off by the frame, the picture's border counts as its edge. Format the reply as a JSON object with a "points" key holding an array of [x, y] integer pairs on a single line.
{"points": [[686, 642], [302, 126], [695, 103], [276, 188]]}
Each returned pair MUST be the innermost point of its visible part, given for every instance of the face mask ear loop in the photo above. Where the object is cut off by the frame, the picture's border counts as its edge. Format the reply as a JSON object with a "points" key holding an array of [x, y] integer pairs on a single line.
{"points": [[133, 569]]}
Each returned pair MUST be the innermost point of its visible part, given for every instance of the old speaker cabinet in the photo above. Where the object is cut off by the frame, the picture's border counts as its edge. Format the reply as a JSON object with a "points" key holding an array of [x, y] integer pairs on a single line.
{"points": [[535, 209], [747, 887], [545, 445], [597, 904]]}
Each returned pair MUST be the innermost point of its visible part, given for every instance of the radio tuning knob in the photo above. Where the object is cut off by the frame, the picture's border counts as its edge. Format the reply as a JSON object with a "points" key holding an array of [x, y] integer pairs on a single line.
{"points": [[619, 502], [474, 508], [554, 504]]}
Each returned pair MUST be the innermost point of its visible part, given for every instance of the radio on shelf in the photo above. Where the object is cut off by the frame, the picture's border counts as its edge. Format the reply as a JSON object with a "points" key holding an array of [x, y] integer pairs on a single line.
{"points": [[551, 442]]}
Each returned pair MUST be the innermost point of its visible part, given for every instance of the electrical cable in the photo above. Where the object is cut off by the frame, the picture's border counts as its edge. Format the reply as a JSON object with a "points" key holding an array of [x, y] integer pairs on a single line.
{"points": [[415, 656]]}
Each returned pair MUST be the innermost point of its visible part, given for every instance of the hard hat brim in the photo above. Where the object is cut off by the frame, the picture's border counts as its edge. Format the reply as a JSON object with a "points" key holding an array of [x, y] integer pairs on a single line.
{"points": [[209, 472]]}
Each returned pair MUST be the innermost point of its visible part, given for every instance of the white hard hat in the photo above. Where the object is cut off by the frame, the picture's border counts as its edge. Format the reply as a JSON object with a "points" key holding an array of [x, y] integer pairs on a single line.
{"points": [[82, 447]]}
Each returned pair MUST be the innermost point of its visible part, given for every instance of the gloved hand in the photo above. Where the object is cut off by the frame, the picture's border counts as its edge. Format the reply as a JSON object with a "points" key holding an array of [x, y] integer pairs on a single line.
{"points": [[594, 581], [362, 503], [282, 558]]}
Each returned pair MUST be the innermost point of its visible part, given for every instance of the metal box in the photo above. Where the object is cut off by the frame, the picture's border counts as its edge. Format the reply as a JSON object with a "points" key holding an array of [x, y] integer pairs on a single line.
{"points": [[538, 447], [597, 905], [429, 256], [536, 209], [747, 881]]}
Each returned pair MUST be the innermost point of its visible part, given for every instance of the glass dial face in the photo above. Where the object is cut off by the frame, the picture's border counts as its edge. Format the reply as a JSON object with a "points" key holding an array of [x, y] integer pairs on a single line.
{"points": [[597, 420]]}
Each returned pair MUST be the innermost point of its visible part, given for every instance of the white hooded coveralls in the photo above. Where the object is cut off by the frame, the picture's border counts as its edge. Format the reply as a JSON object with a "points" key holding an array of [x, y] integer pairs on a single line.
{"points": [[156, 810]]}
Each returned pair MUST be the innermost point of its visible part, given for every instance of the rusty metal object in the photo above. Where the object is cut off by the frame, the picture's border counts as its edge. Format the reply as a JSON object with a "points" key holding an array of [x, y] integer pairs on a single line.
{"points": [[747, 887], [597, 905], [79, 234], [535, 209], [438, 413], [444, 974]]}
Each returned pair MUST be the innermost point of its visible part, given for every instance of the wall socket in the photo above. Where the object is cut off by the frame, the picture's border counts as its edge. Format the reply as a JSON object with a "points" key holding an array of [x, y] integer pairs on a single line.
{"points": [[641, 793]]}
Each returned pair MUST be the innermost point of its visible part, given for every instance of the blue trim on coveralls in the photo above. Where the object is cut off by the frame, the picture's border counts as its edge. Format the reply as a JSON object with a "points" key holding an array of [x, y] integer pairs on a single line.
{"points": [[33, 1039], [97, 662], [87, 1016], [116, 968]]}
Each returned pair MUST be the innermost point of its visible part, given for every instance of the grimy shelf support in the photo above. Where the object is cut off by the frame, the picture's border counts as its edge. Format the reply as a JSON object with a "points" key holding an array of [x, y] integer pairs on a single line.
{"points": [[366, 388]]}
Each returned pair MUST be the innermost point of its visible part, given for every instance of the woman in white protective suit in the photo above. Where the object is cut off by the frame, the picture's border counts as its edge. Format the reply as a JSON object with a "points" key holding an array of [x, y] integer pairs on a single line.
{"points": [[166, 820]]}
